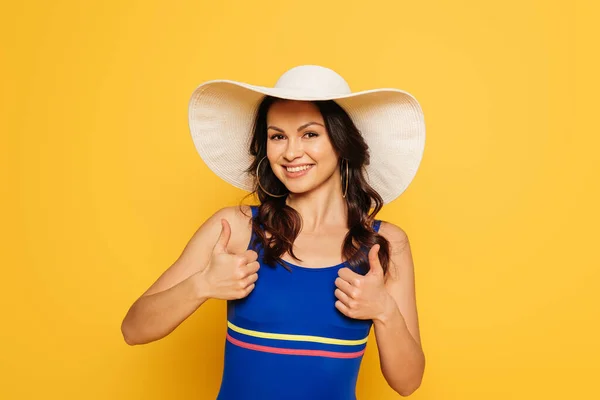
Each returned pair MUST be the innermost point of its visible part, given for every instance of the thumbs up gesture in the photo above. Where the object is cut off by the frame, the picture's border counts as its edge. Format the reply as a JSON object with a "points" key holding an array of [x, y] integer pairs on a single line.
{"points": [[362, 297], [230, 276]]}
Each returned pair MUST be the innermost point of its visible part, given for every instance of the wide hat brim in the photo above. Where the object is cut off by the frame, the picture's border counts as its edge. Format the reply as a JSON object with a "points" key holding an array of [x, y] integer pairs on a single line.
{"points": [[221, 118]]}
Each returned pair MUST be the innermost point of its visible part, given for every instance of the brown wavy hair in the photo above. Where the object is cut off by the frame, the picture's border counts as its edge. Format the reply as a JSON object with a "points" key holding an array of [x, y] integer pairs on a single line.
{"points": [[284, 223]]}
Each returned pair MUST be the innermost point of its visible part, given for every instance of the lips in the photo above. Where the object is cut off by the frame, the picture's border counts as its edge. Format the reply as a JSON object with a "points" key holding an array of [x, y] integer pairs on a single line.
{"points": [[295, 171], [298, 168]]}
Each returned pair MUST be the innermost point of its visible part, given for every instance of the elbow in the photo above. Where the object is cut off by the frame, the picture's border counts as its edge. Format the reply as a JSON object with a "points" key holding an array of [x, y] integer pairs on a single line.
{"points": [[407, 390], [129, 328], [129, 340], [408, 386], [126, 335], [135, 335]]}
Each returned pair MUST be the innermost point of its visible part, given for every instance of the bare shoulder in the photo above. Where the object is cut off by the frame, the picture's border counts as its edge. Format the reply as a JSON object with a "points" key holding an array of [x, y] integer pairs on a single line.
{"points": [[400, 253], [394, 234], [234, 215], [239, 218]]}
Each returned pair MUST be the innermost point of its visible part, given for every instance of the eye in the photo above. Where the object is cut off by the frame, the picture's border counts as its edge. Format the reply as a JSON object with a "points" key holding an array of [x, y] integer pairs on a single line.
{"points": [[276, 136], [311, 134]]}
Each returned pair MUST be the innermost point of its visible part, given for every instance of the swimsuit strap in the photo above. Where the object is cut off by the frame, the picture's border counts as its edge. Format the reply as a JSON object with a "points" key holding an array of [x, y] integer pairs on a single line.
{"points": [[251, 243], [376, 225]]}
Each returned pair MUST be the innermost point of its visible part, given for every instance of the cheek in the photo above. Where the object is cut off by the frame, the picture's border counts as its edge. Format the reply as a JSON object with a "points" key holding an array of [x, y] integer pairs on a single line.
{"points": [[324, 156], [274, 151], [321, 150]]}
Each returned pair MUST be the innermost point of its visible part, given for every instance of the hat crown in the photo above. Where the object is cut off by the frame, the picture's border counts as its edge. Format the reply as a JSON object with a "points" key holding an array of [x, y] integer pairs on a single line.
{"points": [[313, 79]]}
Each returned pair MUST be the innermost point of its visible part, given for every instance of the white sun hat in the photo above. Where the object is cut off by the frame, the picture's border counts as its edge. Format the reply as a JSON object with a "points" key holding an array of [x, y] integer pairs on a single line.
{"points": [[222, 113]]}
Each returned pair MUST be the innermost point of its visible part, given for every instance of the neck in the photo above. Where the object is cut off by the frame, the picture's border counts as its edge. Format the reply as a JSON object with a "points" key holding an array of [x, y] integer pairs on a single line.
{"points": [[321, 207]]}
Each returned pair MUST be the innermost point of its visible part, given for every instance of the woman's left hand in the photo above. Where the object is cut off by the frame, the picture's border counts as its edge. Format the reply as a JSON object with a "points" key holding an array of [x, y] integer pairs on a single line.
{"points": [[363, 297]]}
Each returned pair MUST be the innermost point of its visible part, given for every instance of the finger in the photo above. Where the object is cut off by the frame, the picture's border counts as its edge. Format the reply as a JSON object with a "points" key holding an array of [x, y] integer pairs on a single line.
{"points": [[250, 279], [342, 308], [343, 297], [345, 287], [249, 289], [250, 255], [252, 267], [375, 267], [223, 241], [349, 276]]}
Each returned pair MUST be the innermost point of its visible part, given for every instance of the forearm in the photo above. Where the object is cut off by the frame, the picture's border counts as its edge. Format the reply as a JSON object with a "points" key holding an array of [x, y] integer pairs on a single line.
{"points": [[154, 316], [401, 357]]}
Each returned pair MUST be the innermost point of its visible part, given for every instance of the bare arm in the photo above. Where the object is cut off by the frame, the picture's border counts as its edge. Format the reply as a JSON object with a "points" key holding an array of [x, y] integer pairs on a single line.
{"points": [[154, 316], [398, 338], [183, 287]]}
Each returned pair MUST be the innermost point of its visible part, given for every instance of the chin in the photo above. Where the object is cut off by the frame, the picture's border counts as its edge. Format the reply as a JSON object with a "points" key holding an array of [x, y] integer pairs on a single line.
{"points": [[300, 189], [297, 190]]}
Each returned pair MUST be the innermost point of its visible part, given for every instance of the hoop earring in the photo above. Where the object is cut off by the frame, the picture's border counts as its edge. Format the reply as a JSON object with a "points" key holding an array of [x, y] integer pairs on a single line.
{"points": [[345, 190], [261, 186]]}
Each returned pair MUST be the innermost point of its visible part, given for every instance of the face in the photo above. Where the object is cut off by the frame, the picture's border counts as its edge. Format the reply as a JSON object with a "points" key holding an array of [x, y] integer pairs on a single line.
{"points": [[298, 146]]}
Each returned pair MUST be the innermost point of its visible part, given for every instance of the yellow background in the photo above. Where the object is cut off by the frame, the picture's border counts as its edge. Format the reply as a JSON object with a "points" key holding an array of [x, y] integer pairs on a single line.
{"points": [[102, 186]]}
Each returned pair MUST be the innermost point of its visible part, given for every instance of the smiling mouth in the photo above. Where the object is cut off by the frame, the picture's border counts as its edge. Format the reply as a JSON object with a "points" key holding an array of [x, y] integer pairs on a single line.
{"points": [[299, 168]]}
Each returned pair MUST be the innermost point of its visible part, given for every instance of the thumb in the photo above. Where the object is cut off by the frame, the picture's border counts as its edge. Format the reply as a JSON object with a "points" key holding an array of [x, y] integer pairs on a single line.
{"points": [[221, 245], [374, 264]]}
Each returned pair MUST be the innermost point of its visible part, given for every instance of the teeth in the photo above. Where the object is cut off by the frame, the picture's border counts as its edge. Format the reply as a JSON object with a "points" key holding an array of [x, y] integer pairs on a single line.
{"points": [[297, 169]]}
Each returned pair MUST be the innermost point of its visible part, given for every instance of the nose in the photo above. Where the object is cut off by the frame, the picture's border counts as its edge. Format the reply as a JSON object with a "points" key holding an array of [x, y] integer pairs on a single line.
{"points": [[294, 149]]}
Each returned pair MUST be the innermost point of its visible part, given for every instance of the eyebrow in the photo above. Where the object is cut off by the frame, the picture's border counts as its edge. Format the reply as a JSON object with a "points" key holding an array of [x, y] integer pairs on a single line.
{"points": [[299, 128]]}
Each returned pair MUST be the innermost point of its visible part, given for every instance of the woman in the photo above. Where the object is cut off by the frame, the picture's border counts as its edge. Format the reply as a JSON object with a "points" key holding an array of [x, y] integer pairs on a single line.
{"points": [[310, 270]]}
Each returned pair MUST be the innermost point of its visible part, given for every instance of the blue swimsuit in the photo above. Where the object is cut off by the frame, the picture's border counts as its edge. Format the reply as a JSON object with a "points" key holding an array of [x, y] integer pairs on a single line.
{"points": [[286, 339]]}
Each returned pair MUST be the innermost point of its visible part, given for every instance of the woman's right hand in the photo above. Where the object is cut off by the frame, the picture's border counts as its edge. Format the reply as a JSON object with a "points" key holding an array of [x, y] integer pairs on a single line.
{"points": [[229, 276]]}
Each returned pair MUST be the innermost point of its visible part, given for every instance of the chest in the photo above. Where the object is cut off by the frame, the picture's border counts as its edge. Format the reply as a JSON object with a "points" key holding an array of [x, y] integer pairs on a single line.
{"points": [[301, 301], [317, 251]]}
